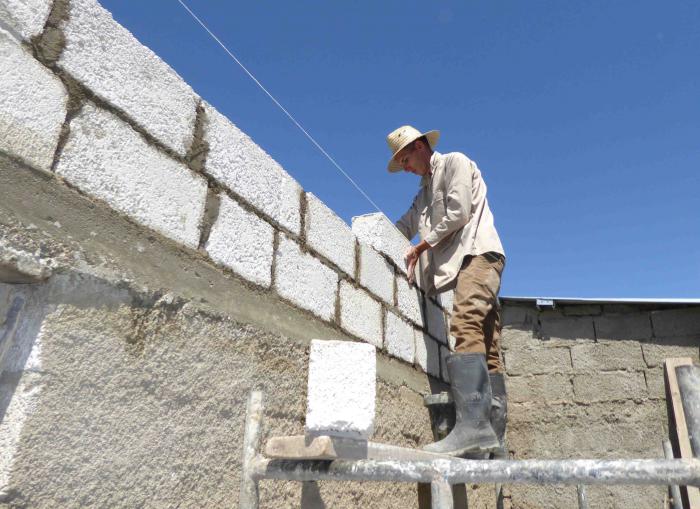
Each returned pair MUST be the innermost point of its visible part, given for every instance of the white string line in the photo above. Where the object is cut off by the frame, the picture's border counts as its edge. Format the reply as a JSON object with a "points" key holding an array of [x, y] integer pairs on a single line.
{"points": [[311, 138]]}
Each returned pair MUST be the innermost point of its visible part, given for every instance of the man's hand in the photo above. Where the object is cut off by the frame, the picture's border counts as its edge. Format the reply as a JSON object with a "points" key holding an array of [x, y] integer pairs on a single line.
{"points": [[411, 258]]}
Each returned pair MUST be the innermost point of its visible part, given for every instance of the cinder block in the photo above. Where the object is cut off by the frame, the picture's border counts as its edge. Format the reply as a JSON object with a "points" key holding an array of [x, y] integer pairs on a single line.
{"points": [[245, 168], [399, 338], [555, 326], [329, 235], [538, 361], [446, 301], [540, 388], [408, 300], [360, 314], [24, 18], [518, 316], [243, 242], [427, 353], [610, 386], [376, 274], [304, 280], [32, 106], [656, 384], [105, 57], [341, 389], [664, 348], [677, 322], [515, 339], [380, 233], [639, 497], [107, 159], [607, 355], [581, 309], [436, 320], [635, 326]]}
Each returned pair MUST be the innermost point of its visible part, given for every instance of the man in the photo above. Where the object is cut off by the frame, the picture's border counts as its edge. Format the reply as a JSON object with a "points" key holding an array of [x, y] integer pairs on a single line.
{"points": [[459, 248]]}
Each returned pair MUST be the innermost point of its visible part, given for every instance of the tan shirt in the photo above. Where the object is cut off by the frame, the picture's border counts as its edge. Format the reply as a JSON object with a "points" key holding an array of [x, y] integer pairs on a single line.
{"points": [[452, 214]]}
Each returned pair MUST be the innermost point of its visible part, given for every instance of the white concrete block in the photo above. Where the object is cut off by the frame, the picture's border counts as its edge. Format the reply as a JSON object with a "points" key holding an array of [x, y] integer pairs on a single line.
{"points": [[360, 314], [329, 235], [107, 159], [32, 106], [342, 389], [446, 300], [304, 280], [376, 274], [243, 242], [408, 300], [24, 18], [106, 58], [436, 321], [399, 338], [241, 165], [427, 353], [380, 233]]}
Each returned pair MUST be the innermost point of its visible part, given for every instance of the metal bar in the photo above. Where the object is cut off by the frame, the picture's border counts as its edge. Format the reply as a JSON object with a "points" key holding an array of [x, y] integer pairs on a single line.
{"points": [[582, 497], [441, 495], [689, 385], [457, 471], [249, 498], [676, 502]]}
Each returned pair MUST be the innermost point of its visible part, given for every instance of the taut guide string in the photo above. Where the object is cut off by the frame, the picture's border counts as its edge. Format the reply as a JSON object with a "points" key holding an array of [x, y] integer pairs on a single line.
{"points": [[311, 138]]}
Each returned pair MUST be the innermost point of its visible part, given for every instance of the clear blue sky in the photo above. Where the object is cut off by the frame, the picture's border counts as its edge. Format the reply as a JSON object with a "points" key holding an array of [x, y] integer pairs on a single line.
{"points": [[584, 117]]}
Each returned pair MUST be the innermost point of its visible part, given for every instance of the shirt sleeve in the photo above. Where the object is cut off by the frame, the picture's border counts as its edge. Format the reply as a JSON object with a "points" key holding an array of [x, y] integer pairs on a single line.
{"points": [[458, 198], [408, 224]]}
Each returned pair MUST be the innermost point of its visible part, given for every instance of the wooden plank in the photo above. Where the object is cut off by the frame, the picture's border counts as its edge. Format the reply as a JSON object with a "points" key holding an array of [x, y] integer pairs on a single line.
{"points": [[676, 405]]}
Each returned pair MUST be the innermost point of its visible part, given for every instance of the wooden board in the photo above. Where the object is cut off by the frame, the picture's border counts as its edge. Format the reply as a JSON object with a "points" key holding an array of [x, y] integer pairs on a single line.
{"points": [[678, 419]]}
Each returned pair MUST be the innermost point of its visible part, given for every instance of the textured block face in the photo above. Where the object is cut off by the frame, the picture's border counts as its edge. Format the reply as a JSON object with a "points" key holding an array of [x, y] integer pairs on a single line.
{"points": [[329, 235], [360, 314], [108, 160], [676, 322], [25, 18], [446, 300], [380, 233], [342, 389], [304, 280], [408, 300], [399, 338], [427, 353], [32, 106], [242, 242], [437, 324], [112, 63], [376, 274], [241, 165]]}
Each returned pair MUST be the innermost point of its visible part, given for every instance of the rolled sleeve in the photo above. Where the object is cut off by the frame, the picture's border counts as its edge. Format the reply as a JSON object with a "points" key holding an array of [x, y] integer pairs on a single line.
{"points": [[458, 199]]}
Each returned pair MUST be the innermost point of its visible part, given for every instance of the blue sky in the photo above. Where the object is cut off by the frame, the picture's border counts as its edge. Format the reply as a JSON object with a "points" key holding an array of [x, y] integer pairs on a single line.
{"points": [[584, 117]]}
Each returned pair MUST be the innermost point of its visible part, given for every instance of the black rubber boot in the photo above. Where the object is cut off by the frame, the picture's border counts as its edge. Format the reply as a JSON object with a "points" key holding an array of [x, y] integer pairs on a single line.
{"points": [[499, 411], [471, 391]]}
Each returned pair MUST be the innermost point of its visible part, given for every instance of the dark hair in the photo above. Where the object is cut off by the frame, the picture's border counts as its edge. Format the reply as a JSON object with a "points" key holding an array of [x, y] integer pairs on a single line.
{"points": [[424, 140]]}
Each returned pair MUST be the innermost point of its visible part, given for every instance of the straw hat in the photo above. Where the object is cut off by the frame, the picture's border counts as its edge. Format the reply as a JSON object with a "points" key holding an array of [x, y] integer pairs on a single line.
{"points": [[404, 135]]}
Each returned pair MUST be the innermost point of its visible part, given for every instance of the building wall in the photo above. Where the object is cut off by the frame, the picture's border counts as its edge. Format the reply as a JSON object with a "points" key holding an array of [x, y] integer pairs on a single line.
{"points": [[586, 381]]}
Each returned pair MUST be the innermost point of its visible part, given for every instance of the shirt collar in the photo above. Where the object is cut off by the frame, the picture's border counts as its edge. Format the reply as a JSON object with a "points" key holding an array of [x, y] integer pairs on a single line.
{"points": [[434, 162]]}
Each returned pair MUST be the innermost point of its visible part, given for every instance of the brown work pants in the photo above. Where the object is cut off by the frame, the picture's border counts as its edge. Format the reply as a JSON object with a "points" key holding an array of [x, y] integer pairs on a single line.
{"points": [[476, 321]]}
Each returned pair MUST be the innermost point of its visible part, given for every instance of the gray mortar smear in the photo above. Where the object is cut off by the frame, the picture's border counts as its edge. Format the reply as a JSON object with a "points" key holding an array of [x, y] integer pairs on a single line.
{"points": [[49, 45]]}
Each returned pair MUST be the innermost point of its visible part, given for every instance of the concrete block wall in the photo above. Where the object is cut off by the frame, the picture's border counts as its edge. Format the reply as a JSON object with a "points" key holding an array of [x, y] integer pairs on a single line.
{"points": [[586, 381], [118, 125]]}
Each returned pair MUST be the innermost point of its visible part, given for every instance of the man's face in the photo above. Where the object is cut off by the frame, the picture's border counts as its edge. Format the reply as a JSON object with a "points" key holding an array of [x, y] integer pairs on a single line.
{"points": [[414, 158]]}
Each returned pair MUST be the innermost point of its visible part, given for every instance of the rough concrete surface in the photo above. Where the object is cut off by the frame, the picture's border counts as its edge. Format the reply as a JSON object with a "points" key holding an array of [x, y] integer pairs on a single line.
{"points": [[427, 353], [379, 232], [107, 59], [360, 314], [247, 170], [376, 274], [329, 235], [409, 301], [24, 18], [107, 159], [243, 242], [32, 105], [342, 389], [140, 379], [399, 338]]}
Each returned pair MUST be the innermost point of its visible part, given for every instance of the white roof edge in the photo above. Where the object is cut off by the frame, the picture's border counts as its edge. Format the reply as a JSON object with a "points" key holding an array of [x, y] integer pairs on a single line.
{"points": [[579, 300]]}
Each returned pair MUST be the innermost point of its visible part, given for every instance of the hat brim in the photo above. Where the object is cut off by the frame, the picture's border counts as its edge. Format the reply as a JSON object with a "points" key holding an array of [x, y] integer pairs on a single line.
{"points": [[432, 136]]}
